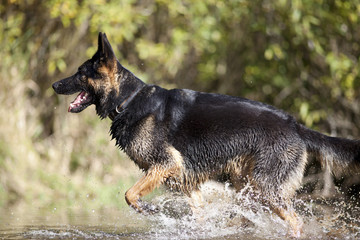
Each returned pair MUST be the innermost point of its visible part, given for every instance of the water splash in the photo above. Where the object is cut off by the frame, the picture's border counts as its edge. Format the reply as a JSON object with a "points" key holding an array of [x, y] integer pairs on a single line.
{"points": [[231, 215]]}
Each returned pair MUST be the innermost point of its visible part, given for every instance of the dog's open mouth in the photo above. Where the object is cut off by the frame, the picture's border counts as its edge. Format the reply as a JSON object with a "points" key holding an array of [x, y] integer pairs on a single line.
{"points": [[82, 101]]}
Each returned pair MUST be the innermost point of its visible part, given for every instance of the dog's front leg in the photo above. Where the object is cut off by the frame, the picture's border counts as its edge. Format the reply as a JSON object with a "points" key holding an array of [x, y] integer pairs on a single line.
{"points": [[295, 223], [153, 178], [196, 202]]}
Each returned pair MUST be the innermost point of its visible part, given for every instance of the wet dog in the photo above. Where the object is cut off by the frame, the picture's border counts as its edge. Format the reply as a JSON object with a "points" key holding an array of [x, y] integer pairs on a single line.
{"points": [[183, 138]]}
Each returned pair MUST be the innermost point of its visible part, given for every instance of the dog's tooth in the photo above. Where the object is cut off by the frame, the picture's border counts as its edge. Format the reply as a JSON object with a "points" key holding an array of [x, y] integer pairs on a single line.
{"points": [[83, 96]]}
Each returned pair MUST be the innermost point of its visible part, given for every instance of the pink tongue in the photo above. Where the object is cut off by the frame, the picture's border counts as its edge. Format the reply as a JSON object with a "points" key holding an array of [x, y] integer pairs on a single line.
{"points": [[77, 102]]}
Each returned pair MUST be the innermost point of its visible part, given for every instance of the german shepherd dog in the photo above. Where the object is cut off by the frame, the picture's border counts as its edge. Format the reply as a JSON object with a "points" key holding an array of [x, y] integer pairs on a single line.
{"points": [[183, 138]]}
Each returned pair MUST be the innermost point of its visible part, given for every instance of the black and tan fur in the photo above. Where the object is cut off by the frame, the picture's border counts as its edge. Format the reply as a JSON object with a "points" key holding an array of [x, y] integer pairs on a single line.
{"points": [[183, 138]]}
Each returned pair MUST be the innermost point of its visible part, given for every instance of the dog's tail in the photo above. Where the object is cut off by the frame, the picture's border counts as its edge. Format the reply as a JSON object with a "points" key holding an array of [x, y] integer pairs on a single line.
{"points": [[339, 153]]}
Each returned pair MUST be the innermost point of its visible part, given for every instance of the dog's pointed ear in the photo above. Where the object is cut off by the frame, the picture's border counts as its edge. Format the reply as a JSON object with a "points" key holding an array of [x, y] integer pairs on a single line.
{"points": [[105, 50], [100, 44]]}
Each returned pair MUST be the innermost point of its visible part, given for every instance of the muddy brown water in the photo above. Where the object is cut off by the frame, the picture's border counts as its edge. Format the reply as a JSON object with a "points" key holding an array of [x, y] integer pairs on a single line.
{"points": [[225, 215]]}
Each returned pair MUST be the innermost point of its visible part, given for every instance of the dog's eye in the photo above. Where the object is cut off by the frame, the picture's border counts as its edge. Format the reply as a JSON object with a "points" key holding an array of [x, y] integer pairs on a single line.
{"points": [[83, 77]]}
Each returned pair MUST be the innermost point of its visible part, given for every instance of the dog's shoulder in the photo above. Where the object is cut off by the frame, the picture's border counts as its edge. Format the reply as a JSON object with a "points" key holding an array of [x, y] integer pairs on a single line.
{"points": [[163, 104]]}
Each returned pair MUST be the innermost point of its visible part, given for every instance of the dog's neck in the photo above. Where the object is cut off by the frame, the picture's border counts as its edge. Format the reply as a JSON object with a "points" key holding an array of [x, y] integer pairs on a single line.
{"points": [[112, 115]]}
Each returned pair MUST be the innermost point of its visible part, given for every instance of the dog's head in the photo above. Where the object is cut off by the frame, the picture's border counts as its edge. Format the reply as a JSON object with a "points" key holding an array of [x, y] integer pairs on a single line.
{"points": [[97, 80]]}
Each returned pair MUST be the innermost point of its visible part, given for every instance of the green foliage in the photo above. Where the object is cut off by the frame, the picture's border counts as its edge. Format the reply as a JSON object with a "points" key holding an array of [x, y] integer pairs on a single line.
{"points": [[299, 55]]}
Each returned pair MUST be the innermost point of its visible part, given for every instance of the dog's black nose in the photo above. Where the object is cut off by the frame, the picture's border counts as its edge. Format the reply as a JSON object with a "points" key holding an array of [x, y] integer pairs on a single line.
{"points": [[56, 85]]}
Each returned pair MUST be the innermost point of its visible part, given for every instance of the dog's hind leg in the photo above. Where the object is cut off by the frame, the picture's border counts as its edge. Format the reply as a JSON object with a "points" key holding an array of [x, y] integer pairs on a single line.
{"points": [[153, 178]]}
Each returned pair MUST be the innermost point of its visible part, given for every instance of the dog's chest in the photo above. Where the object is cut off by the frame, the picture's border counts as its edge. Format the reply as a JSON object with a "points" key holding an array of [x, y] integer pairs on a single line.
{"points": [[141, 144]]}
